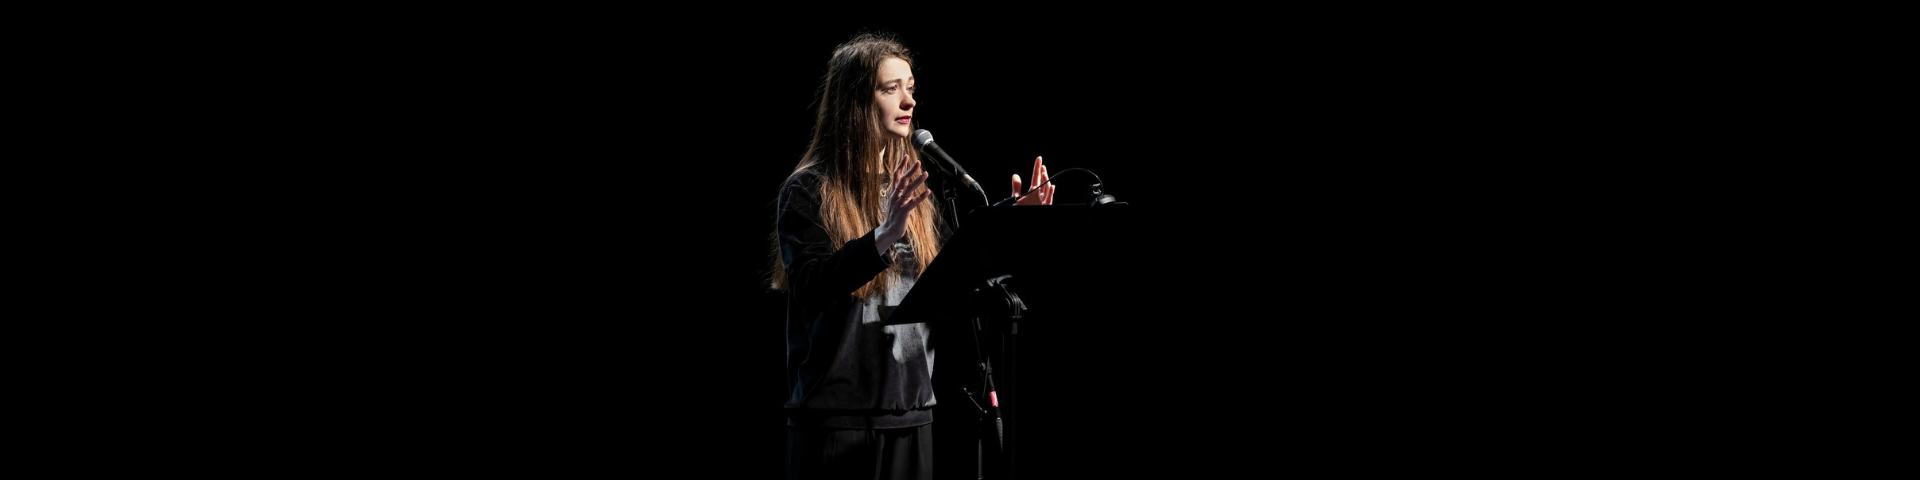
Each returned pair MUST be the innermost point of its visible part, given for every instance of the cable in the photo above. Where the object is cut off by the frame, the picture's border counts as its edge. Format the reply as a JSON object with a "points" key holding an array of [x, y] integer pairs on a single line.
{"points": [[1049, 180]]}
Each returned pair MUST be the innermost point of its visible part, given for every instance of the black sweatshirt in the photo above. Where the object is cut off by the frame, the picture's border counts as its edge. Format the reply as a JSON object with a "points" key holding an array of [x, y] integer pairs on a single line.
{"points": [[846, 369]]}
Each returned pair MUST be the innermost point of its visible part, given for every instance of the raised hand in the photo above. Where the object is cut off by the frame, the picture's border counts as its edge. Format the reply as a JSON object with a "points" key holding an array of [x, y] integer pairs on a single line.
{"points": [[908, 184], [1039, 196]]}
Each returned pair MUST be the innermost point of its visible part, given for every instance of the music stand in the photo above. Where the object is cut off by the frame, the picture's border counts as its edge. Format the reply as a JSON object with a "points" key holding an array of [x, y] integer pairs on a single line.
{"points": [[980, 274]]}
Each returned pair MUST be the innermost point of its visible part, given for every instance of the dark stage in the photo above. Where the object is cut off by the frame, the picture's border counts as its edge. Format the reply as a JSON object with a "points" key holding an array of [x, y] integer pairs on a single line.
{"points": [[1326, 254]]}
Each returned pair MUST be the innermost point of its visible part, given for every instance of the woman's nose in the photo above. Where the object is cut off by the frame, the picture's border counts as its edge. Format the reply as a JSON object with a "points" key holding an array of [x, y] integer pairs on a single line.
{"points": [[906, 102]]}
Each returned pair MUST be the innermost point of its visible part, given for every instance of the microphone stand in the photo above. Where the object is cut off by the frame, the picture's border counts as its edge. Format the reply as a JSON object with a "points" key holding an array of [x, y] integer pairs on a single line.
{"points": [[947, 190], [993, 452], [953, 211], [992, 301], [994, 458]]}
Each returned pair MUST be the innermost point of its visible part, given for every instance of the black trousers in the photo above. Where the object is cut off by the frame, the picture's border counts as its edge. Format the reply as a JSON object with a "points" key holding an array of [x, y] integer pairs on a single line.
{"points": [[843, 453]]}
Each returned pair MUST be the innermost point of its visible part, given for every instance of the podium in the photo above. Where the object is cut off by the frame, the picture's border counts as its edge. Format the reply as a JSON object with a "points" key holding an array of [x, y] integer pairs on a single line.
{"points": [[1004, 265]]}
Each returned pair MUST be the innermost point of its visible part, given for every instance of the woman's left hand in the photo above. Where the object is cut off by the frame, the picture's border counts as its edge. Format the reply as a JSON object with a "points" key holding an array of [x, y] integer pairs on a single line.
{"points": [[1039, 196]]}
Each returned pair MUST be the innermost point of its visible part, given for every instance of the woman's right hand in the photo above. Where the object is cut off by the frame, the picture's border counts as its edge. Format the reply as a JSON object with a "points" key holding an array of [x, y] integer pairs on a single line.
{"points": [[908, 190]]}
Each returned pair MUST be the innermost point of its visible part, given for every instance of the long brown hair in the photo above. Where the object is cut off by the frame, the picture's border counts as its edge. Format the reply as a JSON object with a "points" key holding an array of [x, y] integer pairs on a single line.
{"points": [[848, 142]]}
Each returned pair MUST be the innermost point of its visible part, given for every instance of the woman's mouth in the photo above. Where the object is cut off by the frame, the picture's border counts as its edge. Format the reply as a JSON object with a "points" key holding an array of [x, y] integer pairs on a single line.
{"points": [[904, 119]]}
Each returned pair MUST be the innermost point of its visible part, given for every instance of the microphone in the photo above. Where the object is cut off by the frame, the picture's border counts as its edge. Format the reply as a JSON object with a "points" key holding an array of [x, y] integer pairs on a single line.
{"points": [[923, 140]]}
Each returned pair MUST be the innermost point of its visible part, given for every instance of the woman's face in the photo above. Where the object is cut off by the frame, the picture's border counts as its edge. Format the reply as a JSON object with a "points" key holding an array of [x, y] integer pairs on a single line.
{"points": [[894, 96]]}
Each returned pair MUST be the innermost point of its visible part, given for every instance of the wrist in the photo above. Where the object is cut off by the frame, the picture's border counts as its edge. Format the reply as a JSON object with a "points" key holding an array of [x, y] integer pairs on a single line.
{"points": [[882, 240]]}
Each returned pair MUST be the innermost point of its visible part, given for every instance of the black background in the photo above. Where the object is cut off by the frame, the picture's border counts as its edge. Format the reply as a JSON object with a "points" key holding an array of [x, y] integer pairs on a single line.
{"points": [[995, 97], [1358, 234]]}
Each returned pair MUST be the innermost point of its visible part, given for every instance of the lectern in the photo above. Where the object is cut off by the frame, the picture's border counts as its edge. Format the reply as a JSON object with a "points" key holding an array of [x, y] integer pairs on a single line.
{"points": [[1003, 262]]}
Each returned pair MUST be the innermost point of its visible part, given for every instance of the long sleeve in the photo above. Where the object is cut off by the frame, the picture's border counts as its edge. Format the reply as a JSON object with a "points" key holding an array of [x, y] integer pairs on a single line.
{"points": [[819, 272]]}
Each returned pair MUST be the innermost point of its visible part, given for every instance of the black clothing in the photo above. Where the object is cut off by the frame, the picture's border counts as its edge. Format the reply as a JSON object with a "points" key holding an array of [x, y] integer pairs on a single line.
{"points": [[834, 453], [845, 368]]}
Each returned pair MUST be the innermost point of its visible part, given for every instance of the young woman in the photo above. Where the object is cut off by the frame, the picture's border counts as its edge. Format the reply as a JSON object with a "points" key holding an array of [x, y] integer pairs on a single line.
{"points": [[853, 230]]}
